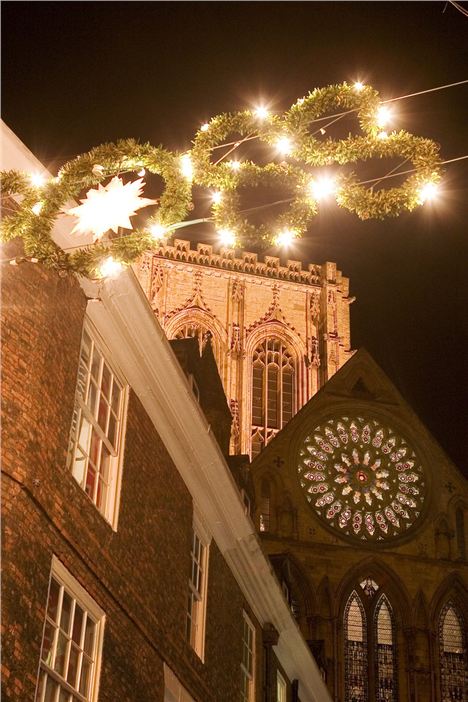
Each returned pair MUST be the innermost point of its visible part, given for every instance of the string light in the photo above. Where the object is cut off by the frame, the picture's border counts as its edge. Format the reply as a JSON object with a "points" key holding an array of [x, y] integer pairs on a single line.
{"points": [[186, 166], [37, 179], [227, 237], [110, 268], [285, 238], [384, 115], [382, 135], [142, 172], [322, 187], [284, 146], [428, 193], [358, 86], [217, 197], [234, 165], [37, 208], [157, 231], [204, 127], [261, 112], [97, 169]]}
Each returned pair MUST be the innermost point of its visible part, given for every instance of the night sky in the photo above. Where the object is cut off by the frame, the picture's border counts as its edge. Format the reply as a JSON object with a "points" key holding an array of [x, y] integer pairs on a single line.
{"points": [[75, 75]]}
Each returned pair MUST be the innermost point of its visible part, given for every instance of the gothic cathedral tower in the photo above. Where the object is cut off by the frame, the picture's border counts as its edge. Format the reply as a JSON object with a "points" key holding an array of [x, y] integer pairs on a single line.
{"points": [[278, 332]]}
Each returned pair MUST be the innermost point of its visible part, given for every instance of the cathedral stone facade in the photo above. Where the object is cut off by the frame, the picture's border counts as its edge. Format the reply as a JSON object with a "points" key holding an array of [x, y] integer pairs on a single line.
{"points": [[361, 512], [285, 327]]}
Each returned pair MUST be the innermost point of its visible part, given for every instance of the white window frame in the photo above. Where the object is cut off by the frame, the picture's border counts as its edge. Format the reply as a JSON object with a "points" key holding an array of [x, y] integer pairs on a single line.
{"points": [[79, 597], [110, 509], [198, 586], [281, 688], [174, 691], [248, 654]]}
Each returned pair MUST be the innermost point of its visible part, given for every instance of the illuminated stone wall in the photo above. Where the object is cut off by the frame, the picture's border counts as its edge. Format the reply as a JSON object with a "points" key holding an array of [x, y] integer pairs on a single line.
{"points": [[241, 300]]}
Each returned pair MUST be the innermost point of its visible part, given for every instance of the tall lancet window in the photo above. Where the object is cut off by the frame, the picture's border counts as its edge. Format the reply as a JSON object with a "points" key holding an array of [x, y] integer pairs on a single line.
{"points": [[453, 662], [385, 653], [355, 631], [273, 391]]}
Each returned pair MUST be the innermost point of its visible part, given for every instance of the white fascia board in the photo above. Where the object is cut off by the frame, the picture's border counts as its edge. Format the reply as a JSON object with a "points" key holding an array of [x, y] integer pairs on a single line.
{"points": [[127, 322], [125, 319]]}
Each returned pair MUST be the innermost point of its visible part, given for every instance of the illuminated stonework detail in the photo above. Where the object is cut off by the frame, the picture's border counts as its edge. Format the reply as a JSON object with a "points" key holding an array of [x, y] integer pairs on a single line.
{"points": [[362, 478]]}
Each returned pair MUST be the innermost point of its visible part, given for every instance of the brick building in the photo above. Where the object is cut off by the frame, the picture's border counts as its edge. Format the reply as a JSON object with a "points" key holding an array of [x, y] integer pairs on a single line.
{"points": [[131, 569], [362, 515]]}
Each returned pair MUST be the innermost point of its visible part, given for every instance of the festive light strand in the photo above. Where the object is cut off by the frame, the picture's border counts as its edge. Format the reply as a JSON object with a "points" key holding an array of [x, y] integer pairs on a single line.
{"points": [[295, 147]]}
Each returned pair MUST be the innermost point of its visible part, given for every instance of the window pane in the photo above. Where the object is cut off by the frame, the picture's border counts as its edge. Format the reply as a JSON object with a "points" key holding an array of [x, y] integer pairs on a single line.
{"points": [[85, 676], [106, 381], [47, 643], [65, 616], [73, 665], [51, 690], [355, 652], [60, 654], [52, 604], [77, 625]]}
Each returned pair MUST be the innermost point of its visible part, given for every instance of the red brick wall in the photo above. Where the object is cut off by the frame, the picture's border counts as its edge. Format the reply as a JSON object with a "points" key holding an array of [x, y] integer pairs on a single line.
{"points": [[139, 574]]}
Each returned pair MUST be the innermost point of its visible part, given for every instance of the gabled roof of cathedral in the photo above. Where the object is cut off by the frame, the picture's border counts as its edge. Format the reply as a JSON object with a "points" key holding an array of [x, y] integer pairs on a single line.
{"points": [[360, 384]]}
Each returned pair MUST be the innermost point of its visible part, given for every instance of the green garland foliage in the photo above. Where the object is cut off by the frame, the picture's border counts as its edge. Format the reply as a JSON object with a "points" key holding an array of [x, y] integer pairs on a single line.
{"points": [[293, 173]]}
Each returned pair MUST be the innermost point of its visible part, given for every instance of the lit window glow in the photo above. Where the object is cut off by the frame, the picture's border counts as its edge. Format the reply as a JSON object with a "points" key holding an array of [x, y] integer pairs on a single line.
{"points": [[110, 268], [227, 237], [322, 187], [384, 115], [428, 193], [284, 146], [186, 166]]}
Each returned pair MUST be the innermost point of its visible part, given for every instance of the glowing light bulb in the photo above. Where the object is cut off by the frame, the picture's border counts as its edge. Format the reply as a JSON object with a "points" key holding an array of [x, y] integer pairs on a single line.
{"points": [[142, 172], [227, 237], [285, 237], [358, 86], [234, 165], [382, 135], [37, 179], [157, 231], [261, 112], [204, 127], [186, 166], [217, 197], [384, 115], [322, 187], [284, 146], [110, 268], [428, 193], [97, 169], [37, 208]]}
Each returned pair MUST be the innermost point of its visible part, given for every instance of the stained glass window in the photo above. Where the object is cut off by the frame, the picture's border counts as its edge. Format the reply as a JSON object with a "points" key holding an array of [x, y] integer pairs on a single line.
{"points": [[265, 496], [355, 651], [385, 653], [273, 391], [361, 478], [453, 662], [370, 646]]}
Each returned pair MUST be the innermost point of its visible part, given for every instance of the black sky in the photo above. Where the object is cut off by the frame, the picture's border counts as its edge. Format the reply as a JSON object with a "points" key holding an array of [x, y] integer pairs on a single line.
{"points": [[76, 74]]}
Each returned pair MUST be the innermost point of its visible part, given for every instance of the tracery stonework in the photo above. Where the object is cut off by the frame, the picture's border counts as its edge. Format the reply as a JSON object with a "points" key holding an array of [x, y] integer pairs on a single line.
{"points": [[361, 478], [242, 301]]}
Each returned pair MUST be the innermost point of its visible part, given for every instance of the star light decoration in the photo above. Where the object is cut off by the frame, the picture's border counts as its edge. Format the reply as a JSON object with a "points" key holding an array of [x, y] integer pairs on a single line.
{"points": [[109, 207]]}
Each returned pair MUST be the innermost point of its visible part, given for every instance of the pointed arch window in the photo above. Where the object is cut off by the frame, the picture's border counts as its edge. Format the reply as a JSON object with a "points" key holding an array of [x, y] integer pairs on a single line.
{"points": [[355, 630], [273, 390], [265, 505], [385, 652], [452, 651], [370, 646]]}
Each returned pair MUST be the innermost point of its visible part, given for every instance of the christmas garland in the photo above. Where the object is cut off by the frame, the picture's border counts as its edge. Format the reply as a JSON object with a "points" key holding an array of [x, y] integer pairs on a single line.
{"points": [[41, 205]]}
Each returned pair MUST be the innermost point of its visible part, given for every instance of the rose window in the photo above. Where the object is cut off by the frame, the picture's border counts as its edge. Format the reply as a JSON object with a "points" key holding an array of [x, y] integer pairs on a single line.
{"points": [[361, 478]]}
